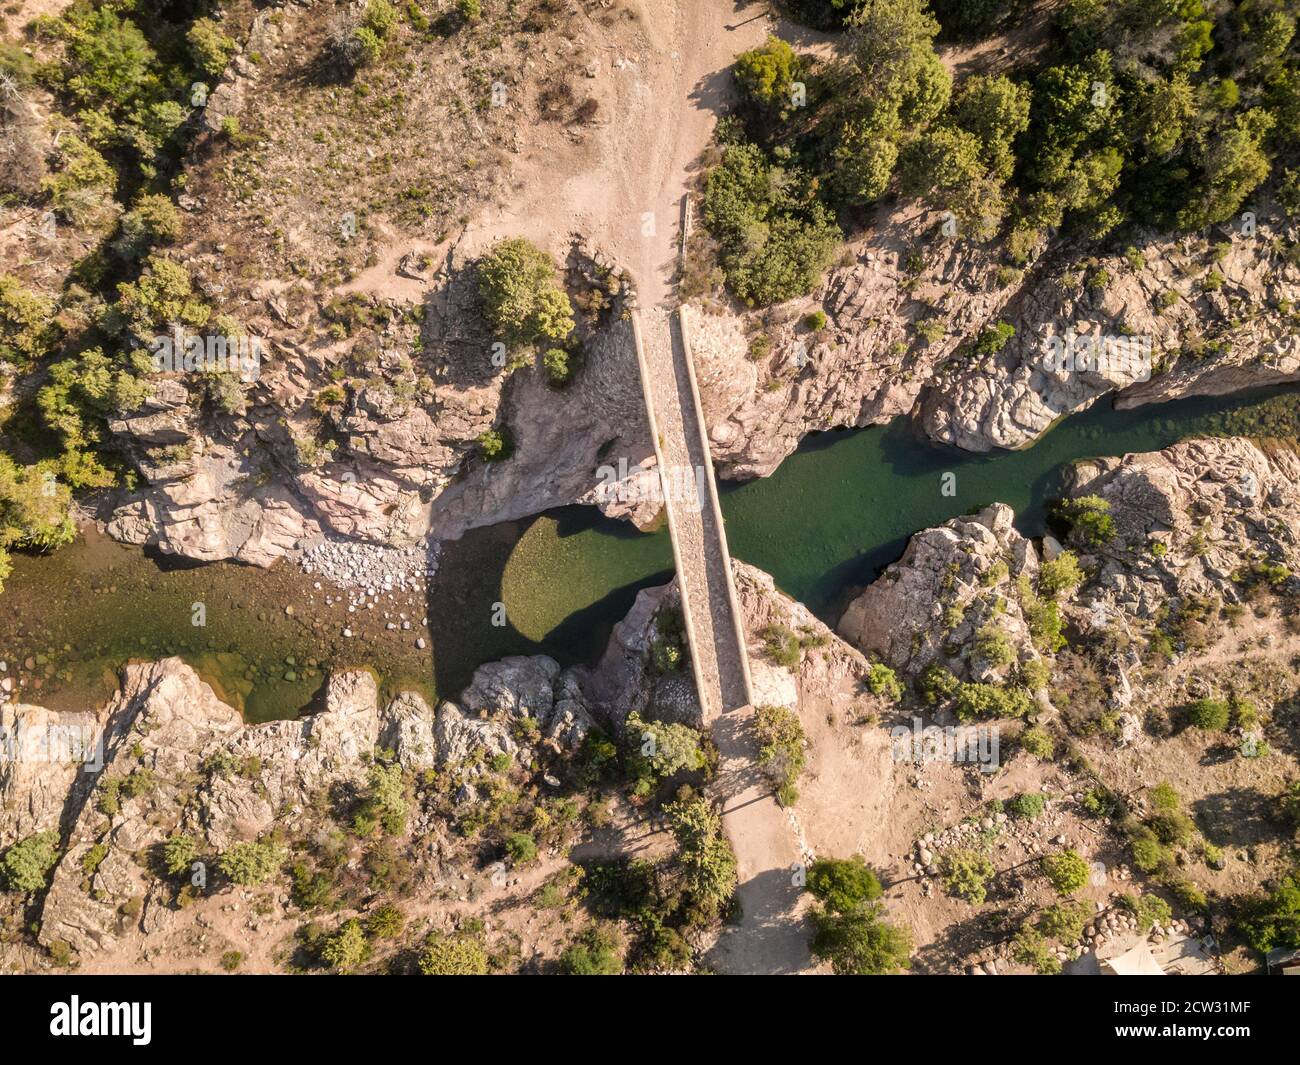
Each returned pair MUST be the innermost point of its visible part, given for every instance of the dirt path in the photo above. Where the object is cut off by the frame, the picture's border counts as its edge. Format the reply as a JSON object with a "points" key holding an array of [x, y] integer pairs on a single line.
{"points": [[661, 90], [662, 84]]}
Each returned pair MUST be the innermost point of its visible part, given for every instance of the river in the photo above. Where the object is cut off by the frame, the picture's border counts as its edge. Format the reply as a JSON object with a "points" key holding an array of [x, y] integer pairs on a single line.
{"points": [[834, 513]]}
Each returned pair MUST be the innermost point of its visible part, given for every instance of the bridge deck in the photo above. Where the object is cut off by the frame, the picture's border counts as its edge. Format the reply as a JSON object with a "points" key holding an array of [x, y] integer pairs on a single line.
{"points": [[713, 623]]}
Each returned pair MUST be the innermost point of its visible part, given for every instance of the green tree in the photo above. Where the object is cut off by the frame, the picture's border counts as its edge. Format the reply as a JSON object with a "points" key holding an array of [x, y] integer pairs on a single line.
{"points": [[347, 948], [1273, 920], [212, 49], [708, 865], [860, 943], [25, 867], [252, 863], [521, 300], [1060, 575], [775, 239], [178, 853], [843, 884], [1089, 519], [767, 73], [661, 749], [25, 323]]}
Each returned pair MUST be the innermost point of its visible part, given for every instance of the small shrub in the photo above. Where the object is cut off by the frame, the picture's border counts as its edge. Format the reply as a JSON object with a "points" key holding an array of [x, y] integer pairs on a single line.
{"points": [[1027, 806], [1038, 742], [1211, 715], [965, 874], [1067, 872]]}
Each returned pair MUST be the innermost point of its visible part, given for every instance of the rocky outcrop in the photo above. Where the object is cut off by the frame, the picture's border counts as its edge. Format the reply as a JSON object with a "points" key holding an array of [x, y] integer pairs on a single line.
{"points": [[906, 309], [1202, 522], [42, 756], [178, 760], [157, 725], [952, 583], [508, 702], [394, 456], [1203, 518]]}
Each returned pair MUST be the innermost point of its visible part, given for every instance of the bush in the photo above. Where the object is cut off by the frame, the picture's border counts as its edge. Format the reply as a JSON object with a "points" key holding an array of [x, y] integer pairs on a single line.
{"points": [[211, 48], [248, 864], [816, 321], [25, 329], [555, 361], [1291, 803], [860, 943], [1030, 948], [459, 955], [662, 749], [965, 874], [25, 867], [994, 338], [883, 681], [1212, 715], [495, 445], [597, 953], [385, 922], [1065, 921], [1089, 520], [1149, 910], [178, 853], [520, 298], [232, 960], [993, 647], [1038, 742], [1027, 806], [152, 219], [347, 948], [765, 74], [1149, 854], [1060, 575], [1273, 920], [843, 885], [982, 701], [384, 804], [781, 747], [782, 646], [521, 849], [1067, 872]]}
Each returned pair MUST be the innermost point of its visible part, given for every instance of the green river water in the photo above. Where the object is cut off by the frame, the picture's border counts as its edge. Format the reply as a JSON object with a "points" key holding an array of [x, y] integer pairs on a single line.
{"points": [[826, 522]]}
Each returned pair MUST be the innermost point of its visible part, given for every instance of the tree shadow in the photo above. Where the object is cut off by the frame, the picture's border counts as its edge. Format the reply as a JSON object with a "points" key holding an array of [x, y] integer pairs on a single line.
{"points": [[1236, 817]]}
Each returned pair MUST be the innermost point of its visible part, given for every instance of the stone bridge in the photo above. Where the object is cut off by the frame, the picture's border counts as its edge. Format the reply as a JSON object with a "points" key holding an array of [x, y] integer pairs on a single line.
{"points": [[714, 626]]}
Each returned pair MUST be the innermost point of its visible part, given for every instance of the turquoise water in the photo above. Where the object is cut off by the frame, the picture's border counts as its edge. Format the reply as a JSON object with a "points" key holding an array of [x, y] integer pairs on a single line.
{"points": [[834, 513], [843, 506]]}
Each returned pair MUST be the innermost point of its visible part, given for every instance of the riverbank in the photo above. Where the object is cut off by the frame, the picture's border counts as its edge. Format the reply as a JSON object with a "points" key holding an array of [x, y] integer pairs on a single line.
{"points": [[825, 523]]}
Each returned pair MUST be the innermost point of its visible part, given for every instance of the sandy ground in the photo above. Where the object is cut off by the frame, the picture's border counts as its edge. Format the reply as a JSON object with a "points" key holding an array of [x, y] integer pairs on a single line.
{"points": [[623, 185]]}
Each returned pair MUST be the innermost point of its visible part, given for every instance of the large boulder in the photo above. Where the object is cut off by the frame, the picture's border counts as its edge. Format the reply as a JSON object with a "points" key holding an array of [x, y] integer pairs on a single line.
{"points": [[951, 582]]}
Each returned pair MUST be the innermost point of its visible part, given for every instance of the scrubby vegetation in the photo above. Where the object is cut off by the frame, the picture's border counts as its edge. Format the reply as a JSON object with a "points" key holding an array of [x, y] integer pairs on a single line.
{"points": [[849, 929], [781, 749]]}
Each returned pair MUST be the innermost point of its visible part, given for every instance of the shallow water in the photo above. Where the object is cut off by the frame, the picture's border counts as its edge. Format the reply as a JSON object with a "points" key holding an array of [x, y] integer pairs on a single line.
{"points": [[826, 522]]}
